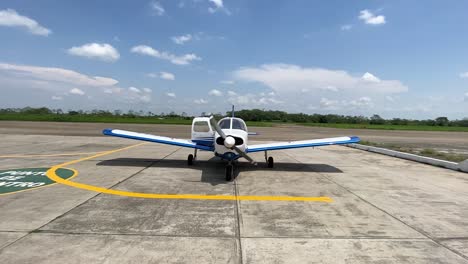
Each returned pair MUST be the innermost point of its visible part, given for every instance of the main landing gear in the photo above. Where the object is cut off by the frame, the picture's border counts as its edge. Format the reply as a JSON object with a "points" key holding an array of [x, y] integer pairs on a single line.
{"points": [[191, 158], [269, 160]]}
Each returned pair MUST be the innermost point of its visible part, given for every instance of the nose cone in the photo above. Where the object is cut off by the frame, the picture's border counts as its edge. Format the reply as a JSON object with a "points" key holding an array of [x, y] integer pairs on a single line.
{"points": [[229, 142]]}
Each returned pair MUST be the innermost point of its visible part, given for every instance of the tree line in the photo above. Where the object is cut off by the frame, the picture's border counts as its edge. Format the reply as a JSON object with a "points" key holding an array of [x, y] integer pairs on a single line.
{"points": [[248, 115]]}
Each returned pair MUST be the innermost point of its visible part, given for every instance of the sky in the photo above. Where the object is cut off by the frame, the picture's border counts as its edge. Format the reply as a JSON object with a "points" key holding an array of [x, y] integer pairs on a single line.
{"points": [[395, 58]]}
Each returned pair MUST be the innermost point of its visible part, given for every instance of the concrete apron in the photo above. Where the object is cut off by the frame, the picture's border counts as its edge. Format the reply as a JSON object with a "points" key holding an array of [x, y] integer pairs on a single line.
{"points": [[462, 166]]}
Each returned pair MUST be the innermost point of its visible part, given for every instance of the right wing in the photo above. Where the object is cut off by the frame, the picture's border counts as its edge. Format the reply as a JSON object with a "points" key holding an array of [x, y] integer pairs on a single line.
{"points": [[153, 138]]}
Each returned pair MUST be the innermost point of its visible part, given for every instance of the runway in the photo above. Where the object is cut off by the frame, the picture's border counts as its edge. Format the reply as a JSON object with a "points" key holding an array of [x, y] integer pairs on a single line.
{"points": [[156, 209]]}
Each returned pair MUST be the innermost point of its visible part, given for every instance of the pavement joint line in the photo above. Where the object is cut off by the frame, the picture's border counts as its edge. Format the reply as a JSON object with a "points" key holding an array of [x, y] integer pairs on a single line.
{"points": [[238, 219], [49, 155], [38, 230], [53, 176], [422, 232], [58, 232], [392, 216], [14, 241]]}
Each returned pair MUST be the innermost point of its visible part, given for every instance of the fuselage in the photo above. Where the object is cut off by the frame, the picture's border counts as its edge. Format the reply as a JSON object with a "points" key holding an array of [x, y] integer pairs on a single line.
{"points": [[236, 133], [235, 130]]}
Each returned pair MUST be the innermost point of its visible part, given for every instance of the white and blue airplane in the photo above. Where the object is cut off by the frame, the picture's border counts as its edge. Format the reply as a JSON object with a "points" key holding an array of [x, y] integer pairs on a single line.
{"points": [[228, 139]]}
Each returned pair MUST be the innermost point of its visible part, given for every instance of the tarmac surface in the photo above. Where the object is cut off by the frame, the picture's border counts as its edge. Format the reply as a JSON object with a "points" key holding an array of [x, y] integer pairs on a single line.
{"points": [[378, 209], [450, 141]]}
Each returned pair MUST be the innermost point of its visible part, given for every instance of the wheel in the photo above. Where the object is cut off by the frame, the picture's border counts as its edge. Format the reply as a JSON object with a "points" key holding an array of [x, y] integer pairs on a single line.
{"points": [[190, 160], [229, 172], [270, 162]]}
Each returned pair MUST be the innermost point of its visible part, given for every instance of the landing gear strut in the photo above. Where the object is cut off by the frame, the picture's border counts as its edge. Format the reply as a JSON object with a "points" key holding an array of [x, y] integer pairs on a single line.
{"points": [[229, 172], [269, 160], [191, 158]]}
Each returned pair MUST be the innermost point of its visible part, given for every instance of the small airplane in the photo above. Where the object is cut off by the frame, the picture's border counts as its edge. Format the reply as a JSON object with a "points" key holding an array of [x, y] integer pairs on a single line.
{"points": [[228, 139]]}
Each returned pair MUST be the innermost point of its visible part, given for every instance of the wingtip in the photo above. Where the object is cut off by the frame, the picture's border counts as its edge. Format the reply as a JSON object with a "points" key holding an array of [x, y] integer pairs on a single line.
{"points": [[355, 139], [107, 131]]}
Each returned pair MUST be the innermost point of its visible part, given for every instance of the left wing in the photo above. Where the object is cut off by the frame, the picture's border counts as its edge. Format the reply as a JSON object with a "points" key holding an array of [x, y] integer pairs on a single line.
{"points": [[153, 138], [303, 143]]}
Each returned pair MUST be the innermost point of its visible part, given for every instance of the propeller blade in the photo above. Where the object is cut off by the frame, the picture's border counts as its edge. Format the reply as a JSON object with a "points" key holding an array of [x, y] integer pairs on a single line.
{"points": [[214, 123], [243, 154], [218, 129]]}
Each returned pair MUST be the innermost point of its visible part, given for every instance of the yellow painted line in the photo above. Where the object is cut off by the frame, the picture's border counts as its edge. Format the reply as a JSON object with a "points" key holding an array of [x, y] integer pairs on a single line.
{"points": [[53, 176], [48, 155], [75, 173]]}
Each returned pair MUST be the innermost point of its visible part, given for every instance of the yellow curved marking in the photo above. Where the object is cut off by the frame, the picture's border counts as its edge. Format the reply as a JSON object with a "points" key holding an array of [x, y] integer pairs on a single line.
{"points": [[48, 155], [53, 176], [75, 173]]}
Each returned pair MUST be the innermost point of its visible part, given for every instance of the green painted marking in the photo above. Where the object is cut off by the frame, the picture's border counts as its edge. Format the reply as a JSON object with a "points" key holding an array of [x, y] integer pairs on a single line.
{"points": [[16, 180]]}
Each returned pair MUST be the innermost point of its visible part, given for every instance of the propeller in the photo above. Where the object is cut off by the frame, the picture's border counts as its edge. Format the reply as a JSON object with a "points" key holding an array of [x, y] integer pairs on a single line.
{"points": [[229, 142]]}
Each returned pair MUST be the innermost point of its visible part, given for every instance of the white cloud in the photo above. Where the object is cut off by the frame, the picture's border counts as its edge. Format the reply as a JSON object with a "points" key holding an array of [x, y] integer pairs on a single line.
{"points": [[173, 95], [218, 5], [215, 92], [252, 100], [369, 77], [346, 27], [147, 90], [99, 51], [229, 82], [327, 103], [157, 8], [181, 39], [362, 102], [286, 78], [369, 18], [56, 98], [179, 60], [330, 104], [56, 75], [9, 18], [464, 75], [76, 91], [466, 96], [166, 76], [134, 89], [200, 101]]}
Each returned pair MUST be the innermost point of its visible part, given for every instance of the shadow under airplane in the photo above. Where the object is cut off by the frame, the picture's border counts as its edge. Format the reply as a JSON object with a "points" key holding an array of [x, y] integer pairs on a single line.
{"points": [[213, 169]]}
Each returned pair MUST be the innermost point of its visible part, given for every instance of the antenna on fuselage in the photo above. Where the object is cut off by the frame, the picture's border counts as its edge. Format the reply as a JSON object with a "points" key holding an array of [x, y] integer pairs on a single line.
{"points": [[232, 112]]}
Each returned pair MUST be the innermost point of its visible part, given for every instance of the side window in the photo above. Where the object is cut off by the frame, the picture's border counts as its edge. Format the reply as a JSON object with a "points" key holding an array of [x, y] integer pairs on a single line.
{"points": [[225, 124], [201, 126]]}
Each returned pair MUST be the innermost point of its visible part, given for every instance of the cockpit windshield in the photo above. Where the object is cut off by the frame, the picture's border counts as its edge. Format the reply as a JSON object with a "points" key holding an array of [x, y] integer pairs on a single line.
{"points": [[225, 124], [237, 124]]}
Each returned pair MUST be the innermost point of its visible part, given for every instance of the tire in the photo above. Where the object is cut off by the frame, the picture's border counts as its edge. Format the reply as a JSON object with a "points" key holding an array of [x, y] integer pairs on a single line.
{"points": [[270, 162], [229, 172], [190, 160]]}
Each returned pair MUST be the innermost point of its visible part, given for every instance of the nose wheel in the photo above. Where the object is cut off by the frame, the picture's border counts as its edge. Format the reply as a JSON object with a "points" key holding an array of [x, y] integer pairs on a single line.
{"points": [[229, 172]]}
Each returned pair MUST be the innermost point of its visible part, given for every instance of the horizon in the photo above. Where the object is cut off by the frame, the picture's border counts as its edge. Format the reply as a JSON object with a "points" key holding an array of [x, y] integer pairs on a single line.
{"points": [[397, 59]]}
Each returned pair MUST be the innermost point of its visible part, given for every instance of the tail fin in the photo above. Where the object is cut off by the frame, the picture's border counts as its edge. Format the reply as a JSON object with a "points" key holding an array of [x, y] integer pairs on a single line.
{"points": [[232, 112]]}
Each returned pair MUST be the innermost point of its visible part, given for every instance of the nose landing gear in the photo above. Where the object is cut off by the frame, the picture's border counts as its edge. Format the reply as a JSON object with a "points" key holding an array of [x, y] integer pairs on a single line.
{"points": [[229, 172]]}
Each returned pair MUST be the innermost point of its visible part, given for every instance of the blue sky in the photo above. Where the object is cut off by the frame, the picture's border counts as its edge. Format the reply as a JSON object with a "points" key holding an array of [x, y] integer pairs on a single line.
{"points": [[393, 58]]}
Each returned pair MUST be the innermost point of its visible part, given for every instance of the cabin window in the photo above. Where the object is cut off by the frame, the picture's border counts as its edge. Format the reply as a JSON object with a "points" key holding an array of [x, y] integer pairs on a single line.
{"points": [[201, 126], [225, 124], [237, 124]]}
